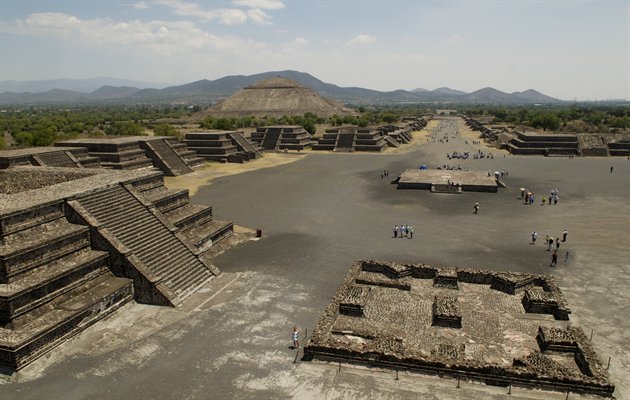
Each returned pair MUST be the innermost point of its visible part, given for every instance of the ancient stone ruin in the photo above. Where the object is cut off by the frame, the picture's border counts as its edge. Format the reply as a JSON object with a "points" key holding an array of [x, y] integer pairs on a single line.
{"points": [[290, 137], [543, 144], [396, 135], [277, 97], [553, 144], [137, 152], [78, 243], [448, 181], [69, 157], [351, 138], [501, 328], [222, 146]]}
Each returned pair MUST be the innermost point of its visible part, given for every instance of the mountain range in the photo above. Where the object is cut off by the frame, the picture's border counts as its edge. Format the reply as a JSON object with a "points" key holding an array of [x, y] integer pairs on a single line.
{"points": [[210, 91]]}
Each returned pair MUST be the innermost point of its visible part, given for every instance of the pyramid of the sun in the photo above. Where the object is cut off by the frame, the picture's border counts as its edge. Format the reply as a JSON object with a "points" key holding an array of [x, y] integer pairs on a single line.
{"points": [[276, 97]]}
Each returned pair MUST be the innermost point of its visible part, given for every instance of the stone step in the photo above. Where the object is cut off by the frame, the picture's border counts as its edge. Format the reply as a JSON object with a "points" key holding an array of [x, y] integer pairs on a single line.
{"points": [[64, 317], [169, 268], [186, 287], [40, 245], [137, 232], [171, 200], [188, 215], [203, 236], [48, 281], [194, 161], [131, 164], [120, 156], [151, 182]]}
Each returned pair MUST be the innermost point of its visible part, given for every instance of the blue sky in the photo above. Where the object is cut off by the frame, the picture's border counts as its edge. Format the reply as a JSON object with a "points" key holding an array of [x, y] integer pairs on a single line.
{"points": [[566, 49]]}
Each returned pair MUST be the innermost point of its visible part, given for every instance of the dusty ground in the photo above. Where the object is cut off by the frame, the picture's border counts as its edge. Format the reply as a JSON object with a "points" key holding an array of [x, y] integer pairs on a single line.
{"points": [[204, 175], [318, 214]]}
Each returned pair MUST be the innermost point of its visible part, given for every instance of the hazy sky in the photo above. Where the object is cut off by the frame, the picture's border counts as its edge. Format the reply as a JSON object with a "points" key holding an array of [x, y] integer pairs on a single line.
{"points": [[566, 49]]}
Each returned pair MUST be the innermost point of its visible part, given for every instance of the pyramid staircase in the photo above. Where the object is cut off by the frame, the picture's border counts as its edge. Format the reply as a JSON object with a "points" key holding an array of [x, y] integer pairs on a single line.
{"points": [[289, 137], [166, 158], [345, 142], [53, 284], [193, 224], [244, 145], [164, 268], [271, 139]]}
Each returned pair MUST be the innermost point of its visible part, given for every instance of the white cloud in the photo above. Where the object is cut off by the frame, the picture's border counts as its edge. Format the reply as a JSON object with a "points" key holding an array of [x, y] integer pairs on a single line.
{"points": [[361, 39], [163, 37], [259, 16], [261, 4], [296, 45], [141, 5], [454, 39], [300, 41], [226, 16]]}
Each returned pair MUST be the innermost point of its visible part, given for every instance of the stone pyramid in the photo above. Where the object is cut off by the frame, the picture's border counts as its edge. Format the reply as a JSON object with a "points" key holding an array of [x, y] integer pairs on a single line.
{"points": [[276, 97]]}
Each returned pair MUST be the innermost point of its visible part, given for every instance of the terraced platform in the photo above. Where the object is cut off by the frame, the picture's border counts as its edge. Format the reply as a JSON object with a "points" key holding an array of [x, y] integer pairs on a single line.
{"points": [[76, 244], [495, 327], [447, 181]]}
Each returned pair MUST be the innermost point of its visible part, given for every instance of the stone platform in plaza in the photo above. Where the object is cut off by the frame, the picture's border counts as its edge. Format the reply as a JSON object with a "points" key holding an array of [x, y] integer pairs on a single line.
{"points": [[500, 328], [447, 181]]}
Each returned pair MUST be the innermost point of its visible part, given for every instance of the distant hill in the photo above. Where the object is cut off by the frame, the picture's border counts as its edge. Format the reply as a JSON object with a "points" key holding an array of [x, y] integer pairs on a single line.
{"points": [[77, 85], [445, 90], [418, 90], [211, 91]]}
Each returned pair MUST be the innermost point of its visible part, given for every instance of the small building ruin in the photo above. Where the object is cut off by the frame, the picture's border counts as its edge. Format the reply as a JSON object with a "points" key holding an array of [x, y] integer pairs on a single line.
{"points": [[500, 328]]}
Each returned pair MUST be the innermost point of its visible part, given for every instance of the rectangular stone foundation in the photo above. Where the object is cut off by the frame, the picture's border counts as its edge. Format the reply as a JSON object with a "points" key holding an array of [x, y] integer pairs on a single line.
{"points": [[392, 315]]}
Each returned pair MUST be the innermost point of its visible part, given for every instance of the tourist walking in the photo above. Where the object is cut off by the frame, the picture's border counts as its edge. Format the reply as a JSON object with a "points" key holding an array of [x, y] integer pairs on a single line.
{"points": [[564, 235], [294, 337], [611, 169], [534, 237], [395, 231], [531, 199], [557, 243], [549, 242], [476, 207], [544, 200], [566, 256], [411, 232], [554, 258]]}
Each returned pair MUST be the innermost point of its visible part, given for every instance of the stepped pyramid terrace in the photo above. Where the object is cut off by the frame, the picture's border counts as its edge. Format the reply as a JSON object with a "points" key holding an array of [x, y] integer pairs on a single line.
{"points": [[222, 146], [277, 97], [290, 137], [76, 244], [137, 152], [70, 157], [351, 138]]}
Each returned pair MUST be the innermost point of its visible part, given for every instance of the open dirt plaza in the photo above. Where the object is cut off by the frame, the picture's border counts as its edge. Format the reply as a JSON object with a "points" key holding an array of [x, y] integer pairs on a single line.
{"points": [[319, 212]]}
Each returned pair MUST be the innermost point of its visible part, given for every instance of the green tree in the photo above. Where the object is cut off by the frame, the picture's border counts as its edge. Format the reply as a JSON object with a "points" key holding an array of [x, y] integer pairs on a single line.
{"points": [[310, 127], [124, 128], [546, 120], [164, 130]]}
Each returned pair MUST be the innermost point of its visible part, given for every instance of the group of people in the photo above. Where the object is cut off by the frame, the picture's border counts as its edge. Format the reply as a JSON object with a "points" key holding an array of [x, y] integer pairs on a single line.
{"points": [[452, 167], [553, 245], [403, 231], [480, 154], [457, 154], [384, 174], [529, 197]]}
